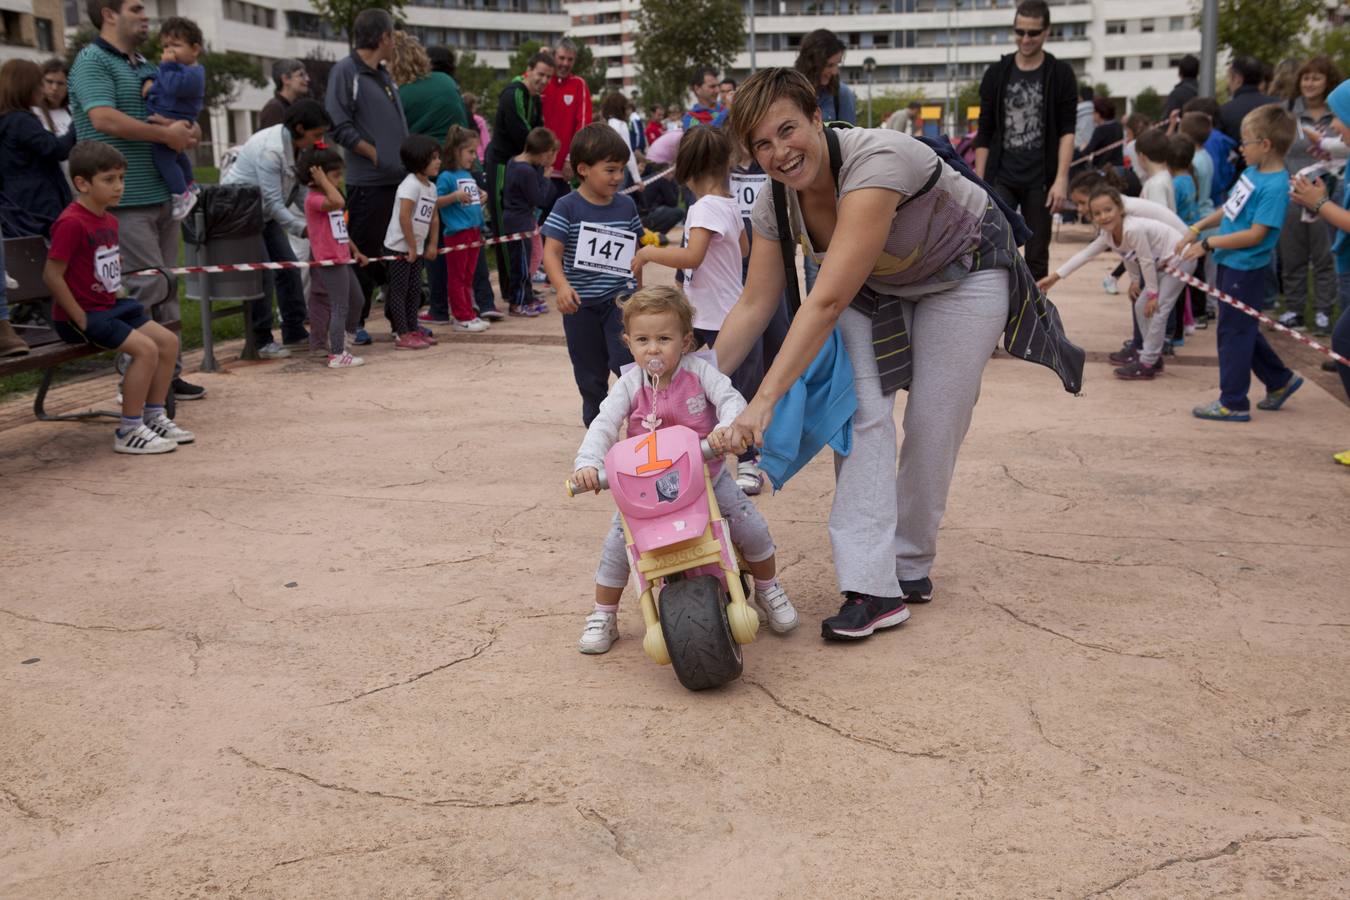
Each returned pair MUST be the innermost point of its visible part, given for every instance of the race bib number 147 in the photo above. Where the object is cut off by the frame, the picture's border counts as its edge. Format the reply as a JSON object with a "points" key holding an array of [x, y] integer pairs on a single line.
{"points": [[607, 251]]}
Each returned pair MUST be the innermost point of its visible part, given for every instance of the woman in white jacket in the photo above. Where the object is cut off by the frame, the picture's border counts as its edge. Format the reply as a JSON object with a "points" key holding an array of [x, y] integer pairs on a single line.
{"points": [[1145, 246]]}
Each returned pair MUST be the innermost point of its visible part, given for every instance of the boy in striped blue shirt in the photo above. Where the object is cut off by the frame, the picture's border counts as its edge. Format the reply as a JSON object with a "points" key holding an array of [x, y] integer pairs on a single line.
{"points": [[590, 237]]}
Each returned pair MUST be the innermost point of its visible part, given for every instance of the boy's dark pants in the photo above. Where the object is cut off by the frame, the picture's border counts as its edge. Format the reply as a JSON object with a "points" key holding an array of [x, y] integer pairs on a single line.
{"points": [[1243, 349], [595, 344], [518, 291]]}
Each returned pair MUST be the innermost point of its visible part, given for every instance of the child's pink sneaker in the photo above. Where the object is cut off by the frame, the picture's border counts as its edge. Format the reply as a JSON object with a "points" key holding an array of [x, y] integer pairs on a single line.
{"points": [[411, 341]]}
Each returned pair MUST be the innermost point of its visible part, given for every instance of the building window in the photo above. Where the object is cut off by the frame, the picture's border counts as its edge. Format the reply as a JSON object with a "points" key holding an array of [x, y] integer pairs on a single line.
{"points": [[249, 13], [1115, 63], [1176, 23], [1145, 62], [1115, 26], [1146, 25], [43, 28]]}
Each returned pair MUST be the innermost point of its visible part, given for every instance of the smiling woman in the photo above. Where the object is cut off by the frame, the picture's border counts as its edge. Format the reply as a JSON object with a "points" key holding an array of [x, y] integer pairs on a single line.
{"points": [[918, 304]]}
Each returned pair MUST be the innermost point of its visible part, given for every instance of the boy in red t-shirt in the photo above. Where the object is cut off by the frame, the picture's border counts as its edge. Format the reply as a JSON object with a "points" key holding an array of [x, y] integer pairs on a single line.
{"points": [[84, 274]]}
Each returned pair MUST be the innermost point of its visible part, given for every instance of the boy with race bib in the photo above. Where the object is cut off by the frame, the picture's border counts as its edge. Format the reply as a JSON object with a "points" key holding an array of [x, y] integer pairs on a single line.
{"points": [[1249, 228], [84, 275], [590, 237], [411, 237]]}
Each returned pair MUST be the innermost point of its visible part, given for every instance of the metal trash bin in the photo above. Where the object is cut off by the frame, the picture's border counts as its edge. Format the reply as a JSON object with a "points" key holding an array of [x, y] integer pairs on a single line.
{"points": [[225, 227]]}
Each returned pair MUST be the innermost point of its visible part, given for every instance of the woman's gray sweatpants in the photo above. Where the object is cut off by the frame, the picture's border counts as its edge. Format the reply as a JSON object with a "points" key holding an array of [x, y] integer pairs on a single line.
{"points": [[749, 532], [1306, 246], [881, 536], [342, 312]]}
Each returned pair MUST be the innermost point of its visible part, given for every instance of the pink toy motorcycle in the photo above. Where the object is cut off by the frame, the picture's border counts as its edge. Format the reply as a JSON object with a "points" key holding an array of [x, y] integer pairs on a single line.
{"points": [[681, 551]]}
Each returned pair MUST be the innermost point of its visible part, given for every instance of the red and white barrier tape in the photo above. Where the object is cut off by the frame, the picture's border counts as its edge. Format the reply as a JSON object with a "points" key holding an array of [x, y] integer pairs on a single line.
{"points": [[664, 173], [272, 266], [1254, 313], [1098, 152]]}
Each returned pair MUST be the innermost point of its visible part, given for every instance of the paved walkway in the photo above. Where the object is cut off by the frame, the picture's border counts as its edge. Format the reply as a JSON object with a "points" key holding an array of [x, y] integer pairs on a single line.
{"points": [[329, 651]]}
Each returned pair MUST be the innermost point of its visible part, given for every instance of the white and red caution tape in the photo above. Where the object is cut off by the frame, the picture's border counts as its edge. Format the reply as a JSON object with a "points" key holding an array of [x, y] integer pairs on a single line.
{"points": [[1251, 311], [317, 264], [1098, 152], [664, 173]]}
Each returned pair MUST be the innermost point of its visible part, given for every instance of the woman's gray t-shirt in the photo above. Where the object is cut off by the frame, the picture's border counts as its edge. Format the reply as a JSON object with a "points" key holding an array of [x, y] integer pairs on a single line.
{"points": [[933, 237]]}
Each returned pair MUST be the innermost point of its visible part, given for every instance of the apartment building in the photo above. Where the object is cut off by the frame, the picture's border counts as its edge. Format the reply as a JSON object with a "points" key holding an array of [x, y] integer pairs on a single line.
{"points": [[31, 29], [931, 45]]}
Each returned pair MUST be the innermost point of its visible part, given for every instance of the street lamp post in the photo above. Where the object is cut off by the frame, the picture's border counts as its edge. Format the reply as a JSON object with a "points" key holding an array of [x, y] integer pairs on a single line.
{"points": [[869, 66], [752, 37]]}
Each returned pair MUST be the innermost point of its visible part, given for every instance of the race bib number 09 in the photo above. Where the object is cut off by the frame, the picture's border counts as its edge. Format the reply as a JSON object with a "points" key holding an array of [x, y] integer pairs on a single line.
{"points": [[607, 251], [1241, 193], [426, 208], [470, 187], [108, 268], [746, 189]]}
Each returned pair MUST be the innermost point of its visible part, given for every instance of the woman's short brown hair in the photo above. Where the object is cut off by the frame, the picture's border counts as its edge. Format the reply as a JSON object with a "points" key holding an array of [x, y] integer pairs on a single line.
{"points": [[761, 91], [658, 300], [614, 105], [20, 81], [1325, 66]]}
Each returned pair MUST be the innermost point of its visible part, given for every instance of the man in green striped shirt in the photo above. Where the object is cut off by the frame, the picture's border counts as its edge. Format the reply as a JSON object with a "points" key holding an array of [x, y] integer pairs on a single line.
{"points": [[106, 105]]}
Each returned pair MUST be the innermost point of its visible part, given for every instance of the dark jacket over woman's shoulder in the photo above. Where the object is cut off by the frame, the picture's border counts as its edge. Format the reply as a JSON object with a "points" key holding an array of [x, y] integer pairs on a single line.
{"points": [[30, 171], [1059, 116]]}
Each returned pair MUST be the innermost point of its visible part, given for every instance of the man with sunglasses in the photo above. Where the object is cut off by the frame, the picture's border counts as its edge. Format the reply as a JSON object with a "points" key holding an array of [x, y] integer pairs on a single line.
{"points": [[1028, 103]]}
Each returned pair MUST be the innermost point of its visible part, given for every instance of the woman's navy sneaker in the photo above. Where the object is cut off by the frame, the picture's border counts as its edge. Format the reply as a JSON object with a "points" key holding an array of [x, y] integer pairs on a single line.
{"points": [[920, 591], [861, 615]]}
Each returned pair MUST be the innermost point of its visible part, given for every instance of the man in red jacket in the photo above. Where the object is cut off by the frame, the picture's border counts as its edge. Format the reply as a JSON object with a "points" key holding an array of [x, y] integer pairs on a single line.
{"points": [[567, 109]]}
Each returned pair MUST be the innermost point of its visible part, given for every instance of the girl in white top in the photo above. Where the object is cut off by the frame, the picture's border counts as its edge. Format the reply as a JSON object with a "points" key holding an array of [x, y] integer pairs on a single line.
{"points": [[411, 237], [1145, 245], [710, 257], [614, 107]]}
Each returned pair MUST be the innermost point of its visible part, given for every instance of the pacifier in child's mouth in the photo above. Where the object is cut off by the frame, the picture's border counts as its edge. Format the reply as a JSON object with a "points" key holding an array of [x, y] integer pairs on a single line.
{"points": [[656, 366]]}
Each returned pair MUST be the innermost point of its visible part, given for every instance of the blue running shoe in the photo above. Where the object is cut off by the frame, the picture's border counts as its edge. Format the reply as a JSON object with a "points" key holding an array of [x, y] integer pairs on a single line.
{"points": [[362, 338], [1217, 412], [1275, 399]]}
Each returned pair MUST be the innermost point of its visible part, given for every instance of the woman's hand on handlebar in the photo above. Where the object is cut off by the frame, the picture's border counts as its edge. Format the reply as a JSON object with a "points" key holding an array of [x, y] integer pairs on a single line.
{"points": [[748, 429], [586, 479]]}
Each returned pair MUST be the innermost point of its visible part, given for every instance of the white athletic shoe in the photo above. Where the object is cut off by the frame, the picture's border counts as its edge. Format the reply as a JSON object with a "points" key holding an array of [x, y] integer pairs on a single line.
{"points": [[777, 608], [142, 440], [182, 205], [273, 351], [170, 430], [1109, 285], [473, 325], [602, 630], [344, 361], [749, 478]]}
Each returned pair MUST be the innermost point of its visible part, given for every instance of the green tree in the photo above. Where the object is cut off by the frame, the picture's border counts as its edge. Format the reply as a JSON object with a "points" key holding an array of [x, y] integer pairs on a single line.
{"points": [[1268, 30], [1149, 103], [225, 72], [968, 96], [675, 36], [1335, 43], [479, 79], [341, 14], [589, 69]]}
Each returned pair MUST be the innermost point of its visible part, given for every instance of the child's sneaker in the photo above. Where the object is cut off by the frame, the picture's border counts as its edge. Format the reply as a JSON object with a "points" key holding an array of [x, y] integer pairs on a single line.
{"points": [[602, 630], [170, 430], [748, 478], [1217, 412], [1109, 285], [345, 361], [182, 205], [360, 338], [1275, 399], [540, 307], [428, 335], [427, 316], [410, 341], [524, 312], [777, 608], [492, 315], [142, 440], [1322, 322], [473, 326], [1124, 355]]}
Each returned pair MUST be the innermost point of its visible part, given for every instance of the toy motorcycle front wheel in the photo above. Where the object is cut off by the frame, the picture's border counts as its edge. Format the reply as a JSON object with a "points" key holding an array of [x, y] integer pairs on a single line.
{"points": [[698, 636]]}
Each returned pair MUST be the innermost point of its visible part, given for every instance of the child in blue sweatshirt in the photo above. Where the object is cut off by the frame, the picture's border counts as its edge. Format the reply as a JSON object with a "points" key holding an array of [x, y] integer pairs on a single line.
{"points": [[177, 92], [524, 194], [1249, 228]]}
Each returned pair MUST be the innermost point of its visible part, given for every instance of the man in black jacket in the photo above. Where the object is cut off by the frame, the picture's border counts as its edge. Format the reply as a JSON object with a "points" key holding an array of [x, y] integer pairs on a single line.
{"points": [[1028, 103], [1244, 79], [519, 109], [1188, 70]]}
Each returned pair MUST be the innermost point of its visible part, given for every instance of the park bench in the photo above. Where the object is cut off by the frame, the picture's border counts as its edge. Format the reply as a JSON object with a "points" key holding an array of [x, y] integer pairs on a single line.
{"points": [[31, 312]]}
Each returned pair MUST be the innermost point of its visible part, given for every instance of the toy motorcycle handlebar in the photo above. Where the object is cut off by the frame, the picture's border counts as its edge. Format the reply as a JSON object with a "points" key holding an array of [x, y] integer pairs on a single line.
{"points": [[572, 490]]}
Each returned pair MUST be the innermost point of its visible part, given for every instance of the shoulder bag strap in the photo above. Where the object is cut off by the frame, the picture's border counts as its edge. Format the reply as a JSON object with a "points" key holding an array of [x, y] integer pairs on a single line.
{"points": [[785, 242]]}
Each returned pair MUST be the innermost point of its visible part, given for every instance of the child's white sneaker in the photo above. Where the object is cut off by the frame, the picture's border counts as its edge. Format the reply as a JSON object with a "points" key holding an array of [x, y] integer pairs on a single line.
{"points": [[182, 205], [1109, 285], [602, 630], [142, 440], [777, 608], [473, 325], [344, 361], [170, 430]]}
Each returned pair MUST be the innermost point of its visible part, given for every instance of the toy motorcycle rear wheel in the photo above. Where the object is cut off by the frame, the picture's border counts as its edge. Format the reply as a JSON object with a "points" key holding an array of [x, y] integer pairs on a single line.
{"points": [[694, 621]]}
